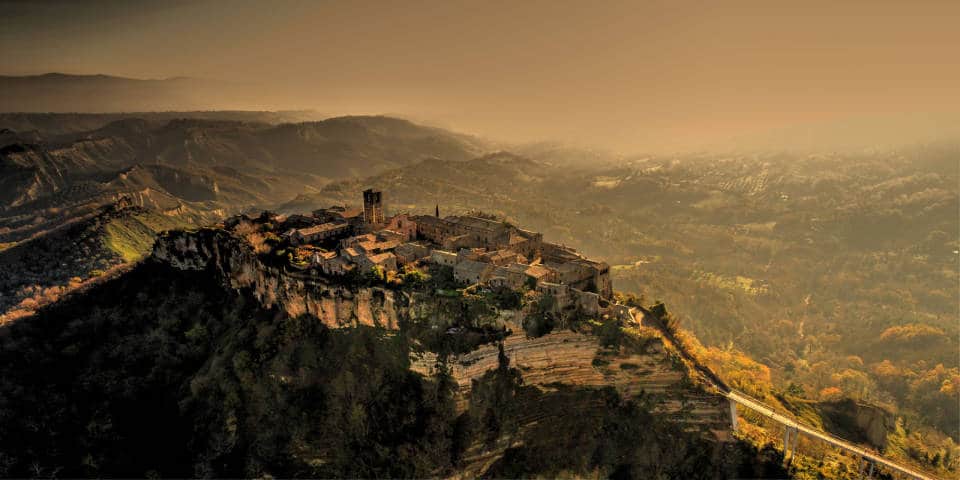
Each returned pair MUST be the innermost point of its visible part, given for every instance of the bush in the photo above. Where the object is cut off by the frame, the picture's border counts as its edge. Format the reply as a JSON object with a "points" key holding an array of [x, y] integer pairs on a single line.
{"points": [[611, 334], [414, 277], [441, 278], [506, 298]]}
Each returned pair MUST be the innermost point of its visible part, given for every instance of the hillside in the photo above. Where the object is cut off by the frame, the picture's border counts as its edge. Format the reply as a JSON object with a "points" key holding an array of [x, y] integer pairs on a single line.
{"points": [[41, 270], [300, 155], [796, 261], [235, 385], [496, 183]]}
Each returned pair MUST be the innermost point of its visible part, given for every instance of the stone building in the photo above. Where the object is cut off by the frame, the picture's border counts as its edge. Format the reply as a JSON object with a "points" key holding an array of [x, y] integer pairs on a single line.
{"points": [[321, 256], [386, 260], [503, 257], [478, 249], [584, 274], [471, 271], [433, 229], [402, 224], [513, 276], [470, 231], [411, 252], [336, 266], [373, 207], [316, 233], [441, 257], [339, 213]]}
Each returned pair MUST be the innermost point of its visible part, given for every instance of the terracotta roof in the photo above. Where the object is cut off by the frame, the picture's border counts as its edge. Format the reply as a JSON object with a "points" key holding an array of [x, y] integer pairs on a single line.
{"points": [[537, 271], [477, 222], [389, 244], [501, 254], [429, 220], [323, 227], [380, 258], [368, 246], [366, 237]]}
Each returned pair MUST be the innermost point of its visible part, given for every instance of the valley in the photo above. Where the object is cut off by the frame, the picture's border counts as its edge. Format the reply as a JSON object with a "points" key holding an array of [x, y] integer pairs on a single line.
{"points": [[805, 280]]}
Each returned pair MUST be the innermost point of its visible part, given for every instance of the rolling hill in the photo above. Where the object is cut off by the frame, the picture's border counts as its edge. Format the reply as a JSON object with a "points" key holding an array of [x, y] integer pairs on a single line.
{"points": [[220, 164]]}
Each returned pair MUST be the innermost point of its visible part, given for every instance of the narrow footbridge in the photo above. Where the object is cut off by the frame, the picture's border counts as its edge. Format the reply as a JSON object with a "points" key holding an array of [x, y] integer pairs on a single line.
{"points": [[792, 429]]}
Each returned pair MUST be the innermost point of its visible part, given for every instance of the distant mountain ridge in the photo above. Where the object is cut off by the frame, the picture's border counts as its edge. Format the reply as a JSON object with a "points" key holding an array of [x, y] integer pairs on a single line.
{"points": [[66, 123], [333, 148], [207, 164], [36, 163], [59, 92]]}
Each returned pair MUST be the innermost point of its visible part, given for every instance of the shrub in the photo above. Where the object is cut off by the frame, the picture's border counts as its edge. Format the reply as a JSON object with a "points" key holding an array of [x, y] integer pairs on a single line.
{"points": [[610, 333], [414, 277], [540, 321], [506, 298]]}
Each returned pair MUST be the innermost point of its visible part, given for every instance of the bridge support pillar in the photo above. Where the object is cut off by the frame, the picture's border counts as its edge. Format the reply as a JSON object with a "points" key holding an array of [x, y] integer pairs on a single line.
{"points": [[733, 415], [796, 438], [786, 444], [790, 437]]}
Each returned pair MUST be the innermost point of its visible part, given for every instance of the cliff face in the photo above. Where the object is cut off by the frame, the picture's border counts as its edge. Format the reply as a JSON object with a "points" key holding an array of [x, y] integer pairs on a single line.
{"points": [[642, 367], [30, 171], [859, 422], [565, 361], [234, 261]]}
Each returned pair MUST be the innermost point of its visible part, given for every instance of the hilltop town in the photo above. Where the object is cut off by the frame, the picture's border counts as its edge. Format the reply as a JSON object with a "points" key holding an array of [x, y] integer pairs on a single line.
{"points": [[478, 250]]}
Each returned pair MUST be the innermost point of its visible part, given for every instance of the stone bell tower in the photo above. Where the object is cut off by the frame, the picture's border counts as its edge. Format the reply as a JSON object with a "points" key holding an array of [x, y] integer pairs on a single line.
{"points": [[372, 207]]}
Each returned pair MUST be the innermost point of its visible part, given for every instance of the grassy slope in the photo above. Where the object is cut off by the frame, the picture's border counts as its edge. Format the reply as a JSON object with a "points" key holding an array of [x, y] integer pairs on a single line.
{"points": [[131, 237], [42, 269]]}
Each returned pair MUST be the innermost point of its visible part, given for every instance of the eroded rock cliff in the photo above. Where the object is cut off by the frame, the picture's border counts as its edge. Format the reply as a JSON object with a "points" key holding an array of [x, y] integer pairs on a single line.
{"points": [[234, 261]]}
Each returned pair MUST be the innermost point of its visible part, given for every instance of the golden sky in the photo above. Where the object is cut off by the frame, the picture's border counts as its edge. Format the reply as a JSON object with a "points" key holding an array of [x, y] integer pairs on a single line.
{"points": [[628, 75]]}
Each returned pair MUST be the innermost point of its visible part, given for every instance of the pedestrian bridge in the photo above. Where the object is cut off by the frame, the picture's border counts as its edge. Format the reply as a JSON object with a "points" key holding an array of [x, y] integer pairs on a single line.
{"points": [[793, 429]]}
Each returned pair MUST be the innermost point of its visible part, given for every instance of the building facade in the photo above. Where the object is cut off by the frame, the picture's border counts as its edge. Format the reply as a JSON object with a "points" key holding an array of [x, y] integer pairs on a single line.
{"points": [[373, 207]]}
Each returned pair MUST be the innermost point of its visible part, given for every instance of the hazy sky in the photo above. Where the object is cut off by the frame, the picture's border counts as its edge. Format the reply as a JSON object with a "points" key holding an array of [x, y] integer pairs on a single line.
{"points": [[627, 75]]}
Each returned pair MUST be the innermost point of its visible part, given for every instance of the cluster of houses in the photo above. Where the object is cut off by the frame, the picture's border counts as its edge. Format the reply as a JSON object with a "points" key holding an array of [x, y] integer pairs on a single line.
{"points": [[479, 250]]}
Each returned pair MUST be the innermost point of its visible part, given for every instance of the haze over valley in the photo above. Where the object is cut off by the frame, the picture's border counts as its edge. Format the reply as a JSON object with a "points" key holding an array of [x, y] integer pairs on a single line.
{"points": [[358, 240]]}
